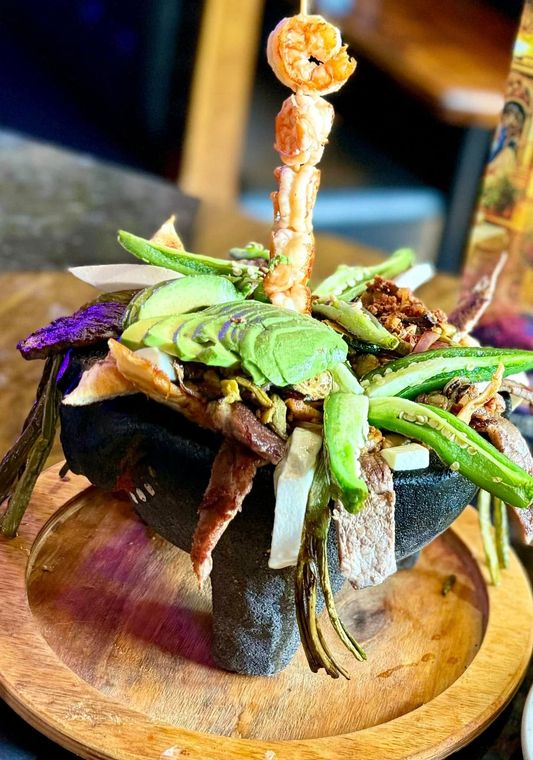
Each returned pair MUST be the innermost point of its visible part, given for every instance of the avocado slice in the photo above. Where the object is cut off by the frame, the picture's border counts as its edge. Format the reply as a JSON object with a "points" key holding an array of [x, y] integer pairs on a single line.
{"points": [[181, 296], [170, 334], [134, 335]]}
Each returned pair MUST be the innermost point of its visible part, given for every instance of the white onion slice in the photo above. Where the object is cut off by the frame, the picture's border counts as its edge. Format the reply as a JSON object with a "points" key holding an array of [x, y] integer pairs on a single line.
{"points": [[292, 480], [159, 359], [110, 277], [416, 276]]}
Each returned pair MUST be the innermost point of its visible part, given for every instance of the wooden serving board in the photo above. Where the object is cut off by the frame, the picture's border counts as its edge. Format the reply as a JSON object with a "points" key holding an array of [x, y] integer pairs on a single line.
{"points": [[105, 647]]}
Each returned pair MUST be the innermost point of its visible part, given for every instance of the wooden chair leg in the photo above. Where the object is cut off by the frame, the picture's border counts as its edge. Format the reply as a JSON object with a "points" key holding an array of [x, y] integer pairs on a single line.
{"points": [[220, 98]]}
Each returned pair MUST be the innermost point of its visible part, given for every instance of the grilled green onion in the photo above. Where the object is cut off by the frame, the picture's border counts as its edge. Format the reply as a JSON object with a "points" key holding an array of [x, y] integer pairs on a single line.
{"points": [[312, 568], [31, 456], [501, 532], [485, 524]]}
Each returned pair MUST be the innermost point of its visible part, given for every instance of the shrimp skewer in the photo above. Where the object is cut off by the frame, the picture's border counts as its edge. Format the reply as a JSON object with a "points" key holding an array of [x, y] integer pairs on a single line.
{"points": [[306, 54], [302, 129]]}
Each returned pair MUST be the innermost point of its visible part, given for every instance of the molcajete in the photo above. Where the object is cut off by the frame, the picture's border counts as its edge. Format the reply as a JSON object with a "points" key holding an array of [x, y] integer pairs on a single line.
{"points": [[164, 463]]}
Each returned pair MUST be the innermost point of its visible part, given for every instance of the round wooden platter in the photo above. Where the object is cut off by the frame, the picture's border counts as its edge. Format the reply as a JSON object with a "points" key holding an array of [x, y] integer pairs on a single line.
{"points": [[105, 648]]}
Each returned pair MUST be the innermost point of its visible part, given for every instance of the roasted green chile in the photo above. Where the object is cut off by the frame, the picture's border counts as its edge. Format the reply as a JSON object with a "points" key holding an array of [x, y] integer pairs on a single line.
{"points": [[246, 277], [431, 370], [345, 434], [357, 321], [349, 282], [457, 445]]}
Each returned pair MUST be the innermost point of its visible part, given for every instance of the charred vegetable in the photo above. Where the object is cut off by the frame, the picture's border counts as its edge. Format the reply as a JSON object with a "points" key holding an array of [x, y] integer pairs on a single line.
{"points": [[349, 282], [98, 321], [22, 465], [457, 445], [489, 545], [312, 573], [245, 277], [428, 371], [357, 321]]}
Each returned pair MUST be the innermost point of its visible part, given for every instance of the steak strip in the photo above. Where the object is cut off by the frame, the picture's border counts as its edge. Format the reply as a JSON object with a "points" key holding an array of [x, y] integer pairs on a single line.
{"points": [[507, 438], [367, 539], [231, 481], [240, 423]]}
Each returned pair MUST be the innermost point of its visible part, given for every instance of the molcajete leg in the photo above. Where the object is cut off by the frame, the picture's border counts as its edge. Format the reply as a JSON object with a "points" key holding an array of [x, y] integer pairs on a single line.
{"points": [[254, 616]]}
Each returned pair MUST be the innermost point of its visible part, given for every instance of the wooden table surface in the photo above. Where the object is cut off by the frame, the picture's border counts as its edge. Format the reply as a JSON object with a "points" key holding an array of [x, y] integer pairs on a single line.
{"points": [[455, 55]]}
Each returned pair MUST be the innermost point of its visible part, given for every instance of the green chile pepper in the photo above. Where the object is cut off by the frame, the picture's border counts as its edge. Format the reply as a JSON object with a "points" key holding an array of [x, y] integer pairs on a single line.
{"points": [[345, 434], [458, 446], [244, 276], [357, 321], [349, 282], [431, 370], [344, 379]]}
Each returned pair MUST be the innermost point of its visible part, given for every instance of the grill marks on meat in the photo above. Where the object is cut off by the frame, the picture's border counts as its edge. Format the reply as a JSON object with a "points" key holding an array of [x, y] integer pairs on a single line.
{"points": [[476, 302], [401, 312], [231, 480], [87, 326], [506, 438], [367, 539]]}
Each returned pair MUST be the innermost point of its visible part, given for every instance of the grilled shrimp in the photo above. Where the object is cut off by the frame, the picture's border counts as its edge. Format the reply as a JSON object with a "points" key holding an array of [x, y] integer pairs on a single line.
{"points": [[306, 53], [296, 298], [302, 129], [298, 247], [285, 285], [284, 288], [294, 201]]}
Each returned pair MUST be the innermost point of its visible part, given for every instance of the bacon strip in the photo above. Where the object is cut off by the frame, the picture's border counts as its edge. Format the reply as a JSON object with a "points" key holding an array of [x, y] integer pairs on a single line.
{"points": [[231, 480]]}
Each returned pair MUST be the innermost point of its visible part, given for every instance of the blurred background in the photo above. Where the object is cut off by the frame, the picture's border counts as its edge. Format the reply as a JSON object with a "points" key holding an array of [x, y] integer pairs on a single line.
{"points": [[113, 78]]}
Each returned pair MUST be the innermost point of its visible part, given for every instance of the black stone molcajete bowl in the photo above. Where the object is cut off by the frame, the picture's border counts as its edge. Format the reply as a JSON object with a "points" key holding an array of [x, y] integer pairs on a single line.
{"points": [[164, 463]]}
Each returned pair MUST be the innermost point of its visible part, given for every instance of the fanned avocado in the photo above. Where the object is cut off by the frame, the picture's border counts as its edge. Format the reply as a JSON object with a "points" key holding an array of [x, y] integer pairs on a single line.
{"points": [[133, 336], [181, 296], [271, 344]]}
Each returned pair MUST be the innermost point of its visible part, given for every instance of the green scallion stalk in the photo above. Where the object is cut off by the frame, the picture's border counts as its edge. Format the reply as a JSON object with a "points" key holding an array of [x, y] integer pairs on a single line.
{"points": [[501, 532], [485, 524]]}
